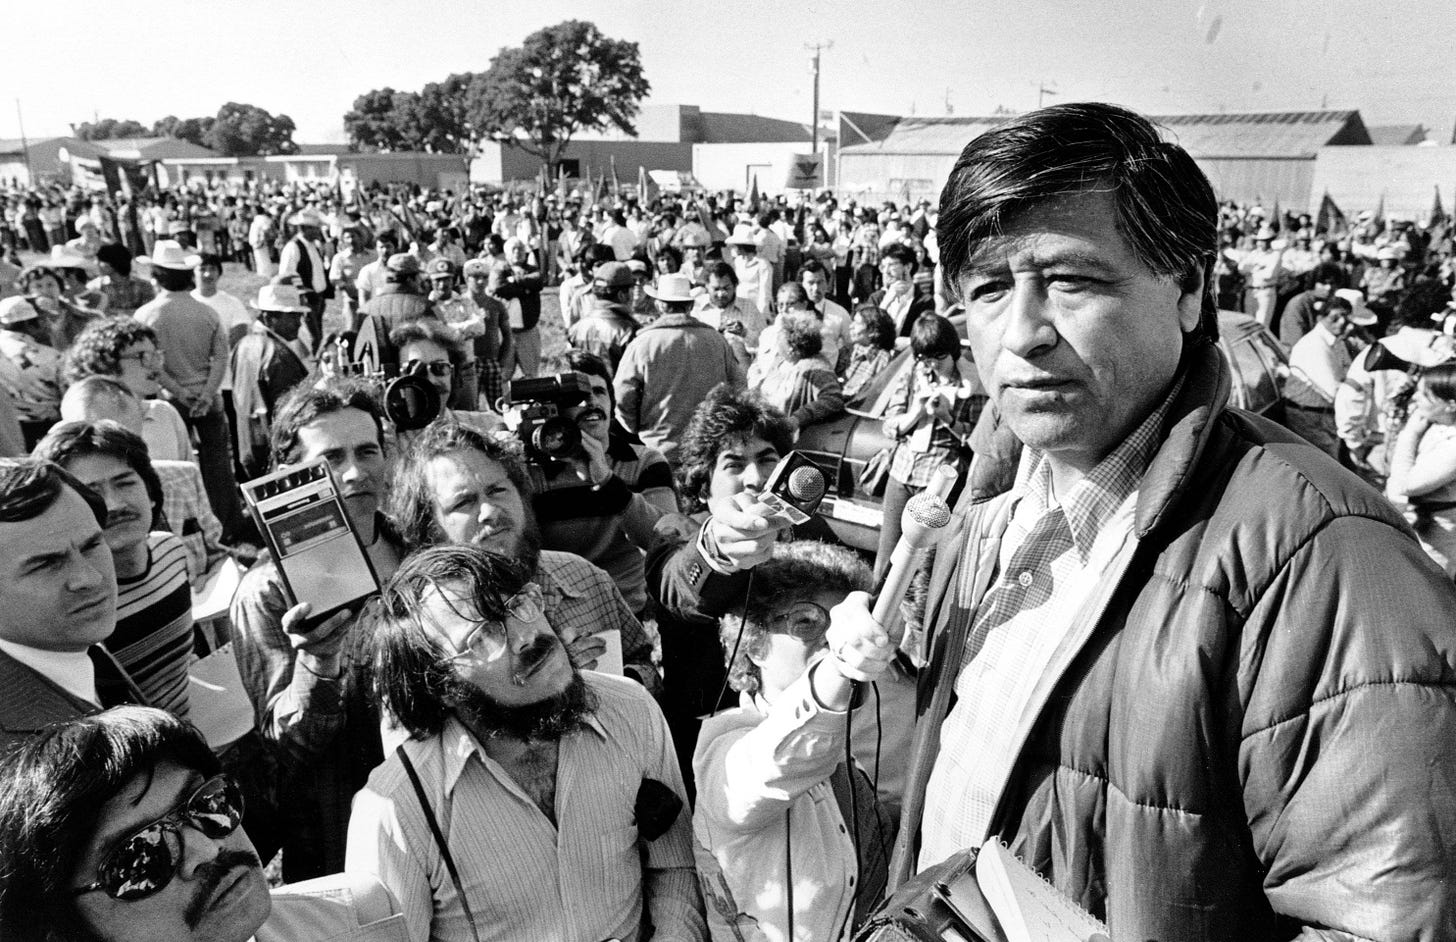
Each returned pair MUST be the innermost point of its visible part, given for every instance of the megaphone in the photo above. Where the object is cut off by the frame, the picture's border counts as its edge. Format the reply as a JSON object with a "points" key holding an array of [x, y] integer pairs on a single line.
{"points": [[1377, 358]]}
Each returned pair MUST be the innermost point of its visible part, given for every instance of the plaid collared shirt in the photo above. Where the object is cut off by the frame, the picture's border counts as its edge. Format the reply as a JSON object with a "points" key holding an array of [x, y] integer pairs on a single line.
{"points": [[583, 599], [1052, 558]]}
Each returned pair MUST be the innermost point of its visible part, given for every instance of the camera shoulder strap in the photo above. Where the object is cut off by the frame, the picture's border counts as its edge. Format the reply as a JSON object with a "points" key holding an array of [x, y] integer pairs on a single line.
{"points": [[414, 778]]}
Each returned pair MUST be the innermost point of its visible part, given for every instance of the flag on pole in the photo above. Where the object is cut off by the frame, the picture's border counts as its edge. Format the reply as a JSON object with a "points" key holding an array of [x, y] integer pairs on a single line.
{"points": [[616, 184], [1380, 213], [642, 196], [1438, 211], [753, 197], [601, 192], [1330, 219], [1278, 216]]}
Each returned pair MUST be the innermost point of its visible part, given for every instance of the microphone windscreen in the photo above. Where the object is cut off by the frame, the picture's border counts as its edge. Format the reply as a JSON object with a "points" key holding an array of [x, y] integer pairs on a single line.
{"points": [[928, 511], [807, 484]]}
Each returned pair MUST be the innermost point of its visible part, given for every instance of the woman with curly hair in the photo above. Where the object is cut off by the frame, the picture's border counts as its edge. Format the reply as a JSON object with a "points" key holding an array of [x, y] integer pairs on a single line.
{"points": [[126, 350]]}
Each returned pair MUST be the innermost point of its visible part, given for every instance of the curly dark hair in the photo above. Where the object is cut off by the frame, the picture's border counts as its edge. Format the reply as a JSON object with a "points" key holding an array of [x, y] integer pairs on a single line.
{"points": [[97, 350], [802, 335], [726, 414], [796, 572]]}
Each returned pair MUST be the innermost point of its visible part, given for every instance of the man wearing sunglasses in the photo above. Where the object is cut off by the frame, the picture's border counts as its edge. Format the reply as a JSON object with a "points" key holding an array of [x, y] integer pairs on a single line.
{"points": [[551, 797], [141, 844]]}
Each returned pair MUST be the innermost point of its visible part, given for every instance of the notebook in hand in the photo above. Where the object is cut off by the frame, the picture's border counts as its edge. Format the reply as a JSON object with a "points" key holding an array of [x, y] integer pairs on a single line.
{"points": [[1026, 907]]}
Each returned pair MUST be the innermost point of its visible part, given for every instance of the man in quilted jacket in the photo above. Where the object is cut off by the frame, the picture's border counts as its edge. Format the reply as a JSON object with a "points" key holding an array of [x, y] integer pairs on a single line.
{"points": [[1191, 670]]}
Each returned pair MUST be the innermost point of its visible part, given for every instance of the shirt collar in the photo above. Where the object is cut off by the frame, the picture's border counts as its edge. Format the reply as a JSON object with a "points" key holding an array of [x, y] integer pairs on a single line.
{"points": [[458, 744], [1093, 501]]}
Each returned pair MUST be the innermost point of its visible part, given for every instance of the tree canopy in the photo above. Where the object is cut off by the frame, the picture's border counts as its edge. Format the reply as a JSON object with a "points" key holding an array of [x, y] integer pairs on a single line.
{"points": [[109, 129], [562, 80], [238, 130]]}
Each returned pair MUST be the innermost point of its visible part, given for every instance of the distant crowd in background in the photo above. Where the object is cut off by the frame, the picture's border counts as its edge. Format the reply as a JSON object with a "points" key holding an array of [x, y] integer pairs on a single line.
{"points": [[700, 336]]}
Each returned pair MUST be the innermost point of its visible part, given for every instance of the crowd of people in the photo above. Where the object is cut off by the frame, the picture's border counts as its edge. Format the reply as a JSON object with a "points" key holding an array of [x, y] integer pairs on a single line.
{"points": [[1187, 666]]}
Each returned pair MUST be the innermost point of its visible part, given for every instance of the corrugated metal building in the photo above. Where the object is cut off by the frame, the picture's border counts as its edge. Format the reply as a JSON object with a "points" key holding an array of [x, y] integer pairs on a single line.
{"points": [[1265, 156]]}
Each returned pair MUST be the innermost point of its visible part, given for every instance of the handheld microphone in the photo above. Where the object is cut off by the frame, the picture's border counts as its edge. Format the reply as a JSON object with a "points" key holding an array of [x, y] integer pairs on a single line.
{"points": [[795, 488], [921, 527]]}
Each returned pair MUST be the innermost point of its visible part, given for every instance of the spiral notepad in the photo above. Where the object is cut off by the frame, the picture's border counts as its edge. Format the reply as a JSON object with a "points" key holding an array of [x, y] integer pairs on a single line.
{"points": [[1028, 907]]}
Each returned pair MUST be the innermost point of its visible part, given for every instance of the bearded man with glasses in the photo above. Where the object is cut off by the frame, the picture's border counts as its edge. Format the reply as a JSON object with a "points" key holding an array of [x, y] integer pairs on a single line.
{"points": [[532, 801]]}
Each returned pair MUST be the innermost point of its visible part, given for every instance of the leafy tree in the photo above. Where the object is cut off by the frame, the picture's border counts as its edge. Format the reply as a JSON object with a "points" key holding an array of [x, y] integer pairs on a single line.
{"points": [[109, 129], [241, 130], [187, 129], [563, 79], [433, 119], [377, 120]]}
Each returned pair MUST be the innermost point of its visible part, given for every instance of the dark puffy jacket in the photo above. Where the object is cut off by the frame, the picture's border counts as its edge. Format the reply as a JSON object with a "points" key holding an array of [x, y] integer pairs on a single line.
{"points": [[1257, 736]]}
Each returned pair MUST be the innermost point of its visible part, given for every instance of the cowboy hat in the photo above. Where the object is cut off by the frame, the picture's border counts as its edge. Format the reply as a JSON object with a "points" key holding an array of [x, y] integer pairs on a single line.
{"points": [[168, 253], [279, 298], [672, 288]]}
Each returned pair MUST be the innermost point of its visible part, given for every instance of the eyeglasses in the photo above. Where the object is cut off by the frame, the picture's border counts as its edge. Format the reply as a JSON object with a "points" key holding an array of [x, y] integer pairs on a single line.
{"points": [[146, 860], [527, 605], [146, 357], [433, 367], [807, 621]]}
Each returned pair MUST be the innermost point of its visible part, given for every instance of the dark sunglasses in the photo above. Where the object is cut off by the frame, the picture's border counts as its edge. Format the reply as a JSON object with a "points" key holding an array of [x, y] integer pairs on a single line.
{"points": [[433, 367], [145, 861]]}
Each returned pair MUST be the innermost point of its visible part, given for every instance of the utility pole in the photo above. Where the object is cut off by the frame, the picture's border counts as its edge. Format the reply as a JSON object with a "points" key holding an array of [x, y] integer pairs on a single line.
{"points": [[24, 145], [816, 48]]}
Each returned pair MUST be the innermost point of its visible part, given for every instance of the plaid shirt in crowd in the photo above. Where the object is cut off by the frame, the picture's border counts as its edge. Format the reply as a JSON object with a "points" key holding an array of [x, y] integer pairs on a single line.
{"points": [[581, 598], [1052, 558], [915, 461]]}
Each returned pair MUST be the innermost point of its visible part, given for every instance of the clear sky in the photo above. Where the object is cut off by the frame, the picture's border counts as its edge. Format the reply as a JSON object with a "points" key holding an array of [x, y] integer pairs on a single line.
{"points": [[70, 60]]}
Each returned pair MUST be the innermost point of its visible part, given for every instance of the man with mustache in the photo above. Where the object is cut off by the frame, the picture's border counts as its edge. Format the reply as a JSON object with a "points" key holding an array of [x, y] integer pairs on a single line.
{"points": [[304, 677], [603, 502], [57, 602], [459, 486], [553, 795], [122, 826]]}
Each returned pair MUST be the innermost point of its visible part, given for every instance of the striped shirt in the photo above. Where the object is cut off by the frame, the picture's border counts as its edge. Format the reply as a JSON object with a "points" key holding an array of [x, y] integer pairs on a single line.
{"points": [[153, 637], [1052, 557], [581, 879]]}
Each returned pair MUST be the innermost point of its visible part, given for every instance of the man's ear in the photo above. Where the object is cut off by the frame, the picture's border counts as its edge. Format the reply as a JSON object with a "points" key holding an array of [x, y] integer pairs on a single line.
{"points": [[1190, 300]]}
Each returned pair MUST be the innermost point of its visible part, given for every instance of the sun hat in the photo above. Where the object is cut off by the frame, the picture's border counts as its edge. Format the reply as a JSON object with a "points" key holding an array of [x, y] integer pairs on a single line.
{"points": [[168, 253], [675, 287], [281, 298]]}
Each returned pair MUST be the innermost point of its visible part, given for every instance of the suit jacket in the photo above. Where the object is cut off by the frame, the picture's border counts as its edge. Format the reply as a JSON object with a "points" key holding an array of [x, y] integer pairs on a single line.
{"points": [[30, 701]]}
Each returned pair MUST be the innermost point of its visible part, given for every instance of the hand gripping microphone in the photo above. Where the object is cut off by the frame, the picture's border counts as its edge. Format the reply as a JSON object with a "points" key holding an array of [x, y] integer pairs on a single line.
{"points": [[921, 527], [795, 488]]}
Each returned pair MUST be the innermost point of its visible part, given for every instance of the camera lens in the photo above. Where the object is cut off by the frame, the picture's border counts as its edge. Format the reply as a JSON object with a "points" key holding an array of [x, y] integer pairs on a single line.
{"points": [[556, 437]]}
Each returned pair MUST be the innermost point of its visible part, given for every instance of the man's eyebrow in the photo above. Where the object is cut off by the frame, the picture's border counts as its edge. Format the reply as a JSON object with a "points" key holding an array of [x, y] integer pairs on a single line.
{"points": [[770, 450], [997, 262], [108, 836]]}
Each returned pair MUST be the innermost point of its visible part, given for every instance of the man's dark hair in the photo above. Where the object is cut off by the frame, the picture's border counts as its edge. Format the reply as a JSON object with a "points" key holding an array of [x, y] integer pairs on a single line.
{"points": [[672, 254], [411, 503], [52, 790], [814, 265], [117, 256], [791, 296], [1165, 207], [29, 486], [901, 253], [723, 270], [1326, 273], [413, 674], [388, 238], [725, 415], [306, 403], [67, 441], [880, 324], [173, 279], [933, 336], [209, 260], [583, 361], [97, 349]]}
